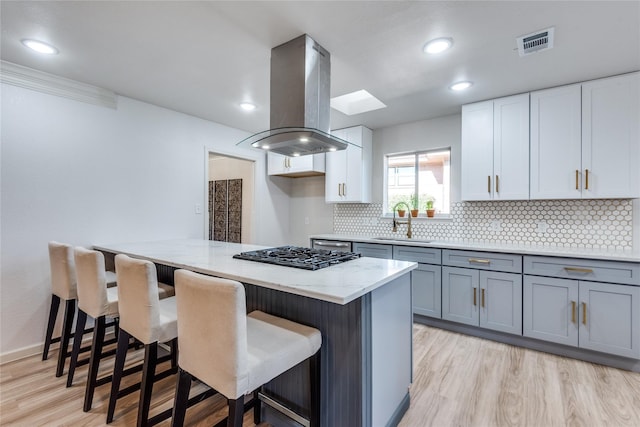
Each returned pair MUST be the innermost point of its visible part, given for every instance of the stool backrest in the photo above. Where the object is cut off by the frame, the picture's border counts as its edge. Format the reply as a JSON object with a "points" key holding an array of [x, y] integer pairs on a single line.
{"points": [[138, 301], [63, 274], [92, 282], [212, 331]]}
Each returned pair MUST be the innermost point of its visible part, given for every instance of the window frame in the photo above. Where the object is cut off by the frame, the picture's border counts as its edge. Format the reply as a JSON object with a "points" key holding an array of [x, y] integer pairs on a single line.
{"points": [[416, 154]]}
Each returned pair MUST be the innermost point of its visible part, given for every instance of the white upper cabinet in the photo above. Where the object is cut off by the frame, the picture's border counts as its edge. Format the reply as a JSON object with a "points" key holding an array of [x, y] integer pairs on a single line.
{"points": [[611, 137], [311, 165], [348, 172], [585, 140], [495, 149]]}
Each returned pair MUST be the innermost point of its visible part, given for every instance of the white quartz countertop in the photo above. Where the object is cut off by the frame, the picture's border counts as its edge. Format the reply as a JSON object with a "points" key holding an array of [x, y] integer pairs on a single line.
{"points": [[556, 251], [340, 283]]}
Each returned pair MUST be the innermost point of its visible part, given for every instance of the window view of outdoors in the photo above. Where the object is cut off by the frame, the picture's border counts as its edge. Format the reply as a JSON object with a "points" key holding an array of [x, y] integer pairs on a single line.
{"points": [[418, 178]]}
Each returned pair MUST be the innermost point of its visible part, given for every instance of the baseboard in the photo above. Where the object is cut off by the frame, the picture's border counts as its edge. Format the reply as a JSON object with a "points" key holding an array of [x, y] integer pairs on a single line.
{"points": [[21, 353]]}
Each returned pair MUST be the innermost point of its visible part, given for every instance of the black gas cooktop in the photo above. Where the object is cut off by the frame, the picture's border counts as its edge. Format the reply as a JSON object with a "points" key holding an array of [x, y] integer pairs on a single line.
{"points": [[298, 257]]}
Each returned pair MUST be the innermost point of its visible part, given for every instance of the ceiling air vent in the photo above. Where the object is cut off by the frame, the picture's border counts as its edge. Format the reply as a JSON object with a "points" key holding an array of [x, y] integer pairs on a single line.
{"points": [[535, 42]]}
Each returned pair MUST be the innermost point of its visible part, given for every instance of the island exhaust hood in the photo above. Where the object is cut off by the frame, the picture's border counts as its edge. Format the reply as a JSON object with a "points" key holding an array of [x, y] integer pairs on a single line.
{"points": [[300, 101]]}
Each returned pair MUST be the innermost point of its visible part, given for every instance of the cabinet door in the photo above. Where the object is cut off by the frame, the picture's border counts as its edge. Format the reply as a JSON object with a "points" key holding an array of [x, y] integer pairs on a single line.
{"points": [[460, 295], [610, 318], [426, 282], [611, 137], [550, 309], [477, 151], [352, 185], [511, 148], [556, 143], [336, 175], [276, 163], [373, 250], [301, 163], [501, 301]]}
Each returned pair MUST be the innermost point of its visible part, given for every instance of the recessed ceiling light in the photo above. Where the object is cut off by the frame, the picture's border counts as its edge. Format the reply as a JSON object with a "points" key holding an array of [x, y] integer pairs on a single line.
{"points": [[247, 106], [40, 47], [460, 86], [438, 45]]}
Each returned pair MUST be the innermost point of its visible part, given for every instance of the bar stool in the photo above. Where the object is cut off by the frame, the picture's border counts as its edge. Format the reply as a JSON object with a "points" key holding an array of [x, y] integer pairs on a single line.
{"points": [[148, 319], [63, 287], [95, 299], [235, 353]]}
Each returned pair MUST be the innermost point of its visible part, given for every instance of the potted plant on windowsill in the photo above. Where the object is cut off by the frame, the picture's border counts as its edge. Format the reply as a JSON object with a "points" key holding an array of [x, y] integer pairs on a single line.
{"points": [[414, 205], [429, 207]]}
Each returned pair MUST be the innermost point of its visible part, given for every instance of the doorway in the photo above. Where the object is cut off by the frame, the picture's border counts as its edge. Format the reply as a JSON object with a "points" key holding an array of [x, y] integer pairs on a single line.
{"points": [[237, 213]]}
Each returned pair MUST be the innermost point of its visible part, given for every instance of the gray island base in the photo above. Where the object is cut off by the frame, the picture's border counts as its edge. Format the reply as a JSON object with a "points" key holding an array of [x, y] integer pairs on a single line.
{"points": [[366, 353]]}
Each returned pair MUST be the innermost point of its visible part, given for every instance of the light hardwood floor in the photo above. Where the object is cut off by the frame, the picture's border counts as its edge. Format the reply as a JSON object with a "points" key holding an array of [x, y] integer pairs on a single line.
{"points": [[458, 381]]}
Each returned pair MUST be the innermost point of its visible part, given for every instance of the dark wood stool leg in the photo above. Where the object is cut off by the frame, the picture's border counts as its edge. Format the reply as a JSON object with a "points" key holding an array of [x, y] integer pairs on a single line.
{"points": [[315, 383], [118, 367], [257, 406], [69, 312], [77, 344], [94, 361], [174, 353], [53, 314], [148, 374], [183, 385], [236, 412]]}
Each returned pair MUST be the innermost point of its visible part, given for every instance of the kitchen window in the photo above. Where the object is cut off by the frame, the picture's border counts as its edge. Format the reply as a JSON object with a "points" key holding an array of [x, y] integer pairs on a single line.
{"points": [[415, 178]]}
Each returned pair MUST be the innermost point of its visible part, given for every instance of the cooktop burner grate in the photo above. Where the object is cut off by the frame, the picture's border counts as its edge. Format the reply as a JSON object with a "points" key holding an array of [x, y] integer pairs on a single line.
{"points": [[298, 257]]}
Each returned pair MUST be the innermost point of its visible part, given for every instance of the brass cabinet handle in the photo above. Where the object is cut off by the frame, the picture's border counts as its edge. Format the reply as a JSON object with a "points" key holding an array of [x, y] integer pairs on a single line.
{"points": [[586, 179], [480, 261], [578, 270], [577, 176], [489, 184], [584, 313], [497, 184], [482, 303], [573, 312], [474, 296]]}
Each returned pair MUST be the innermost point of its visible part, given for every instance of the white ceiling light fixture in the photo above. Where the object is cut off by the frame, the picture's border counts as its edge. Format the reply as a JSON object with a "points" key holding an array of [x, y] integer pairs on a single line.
{"points": [[40, 47], [458, 86], [356, 102], [247, 106], [438, 45]]}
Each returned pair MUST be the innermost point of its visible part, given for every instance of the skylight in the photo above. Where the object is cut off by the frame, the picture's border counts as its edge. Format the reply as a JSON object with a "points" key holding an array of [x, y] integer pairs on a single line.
{"points": [[356, 102]]}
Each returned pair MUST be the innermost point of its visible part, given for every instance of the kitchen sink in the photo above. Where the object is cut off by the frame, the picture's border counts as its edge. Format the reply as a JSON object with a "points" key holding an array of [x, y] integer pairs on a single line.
{"points": [[402, 239]]}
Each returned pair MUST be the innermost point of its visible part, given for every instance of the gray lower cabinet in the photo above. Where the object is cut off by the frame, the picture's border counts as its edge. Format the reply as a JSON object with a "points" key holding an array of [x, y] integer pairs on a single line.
{"points": [[603, 317], [489, 299], [373, 250], [426, 283]]}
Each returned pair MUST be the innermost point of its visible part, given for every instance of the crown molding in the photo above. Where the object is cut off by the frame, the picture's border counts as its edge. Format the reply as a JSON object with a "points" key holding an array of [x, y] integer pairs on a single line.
{"points": [[29, 78]]}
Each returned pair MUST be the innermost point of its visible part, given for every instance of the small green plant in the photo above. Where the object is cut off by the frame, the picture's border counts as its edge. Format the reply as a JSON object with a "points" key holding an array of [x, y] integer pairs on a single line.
{"points": [[429, 203], [415, 201]]}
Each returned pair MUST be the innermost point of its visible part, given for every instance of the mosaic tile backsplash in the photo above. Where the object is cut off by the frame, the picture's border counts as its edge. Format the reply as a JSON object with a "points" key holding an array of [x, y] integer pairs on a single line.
{"points": [[601, 224]]}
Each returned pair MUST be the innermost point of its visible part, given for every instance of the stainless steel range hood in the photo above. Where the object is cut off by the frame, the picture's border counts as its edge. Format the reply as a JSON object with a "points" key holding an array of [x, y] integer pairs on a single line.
{"points": [[300, 101]]}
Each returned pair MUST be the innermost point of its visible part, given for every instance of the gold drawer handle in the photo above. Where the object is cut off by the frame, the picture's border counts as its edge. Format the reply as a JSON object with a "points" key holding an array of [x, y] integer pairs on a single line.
{"points": [[584, 313], [573, 312], [578, 270], [577, 175], [480, 261], [474, 296], [482, 303], [586, 179]]}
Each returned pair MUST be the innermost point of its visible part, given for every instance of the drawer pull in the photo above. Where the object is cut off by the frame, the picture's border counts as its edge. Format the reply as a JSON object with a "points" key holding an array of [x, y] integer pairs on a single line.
{"points": [[577, 175], [573, 312], [479, 261], [482, 303], [474, 296], [586, 179], [489, 184], [584, 313], [497, 184], [578, 270]]}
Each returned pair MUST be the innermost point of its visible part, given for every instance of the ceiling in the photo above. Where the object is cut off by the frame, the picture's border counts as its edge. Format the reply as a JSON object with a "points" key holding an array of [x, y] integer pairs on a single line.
{"points": [[204, 58]]}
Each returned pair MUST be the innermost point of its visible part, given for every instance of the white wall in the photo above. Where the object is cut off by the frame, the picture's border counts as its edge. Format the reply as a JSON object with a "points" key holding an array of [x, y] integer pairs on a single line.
{"points": [[431, 134], [86, 174], [309, 213]]}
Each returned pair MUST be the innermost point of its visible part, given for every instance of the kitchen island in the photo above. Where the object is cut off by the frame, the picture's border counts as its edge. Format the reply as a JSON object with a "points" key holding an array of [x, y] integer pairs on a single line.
{"points": [[362, 308]]}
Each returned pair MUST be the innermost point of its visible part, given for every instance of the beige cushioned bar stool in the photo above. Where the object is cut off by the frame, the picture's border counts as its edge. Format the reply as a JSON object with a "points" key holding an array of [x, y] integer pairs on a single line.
{"points": [[235, 353], [63, 287], [95, 299], [148, 319]]}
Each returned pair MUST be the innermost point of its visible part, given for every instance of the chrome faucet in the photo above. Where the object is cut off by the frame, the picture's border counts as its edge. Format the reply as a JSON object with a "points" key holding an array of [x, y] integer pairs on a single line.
{"points": [[408, 221]]}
